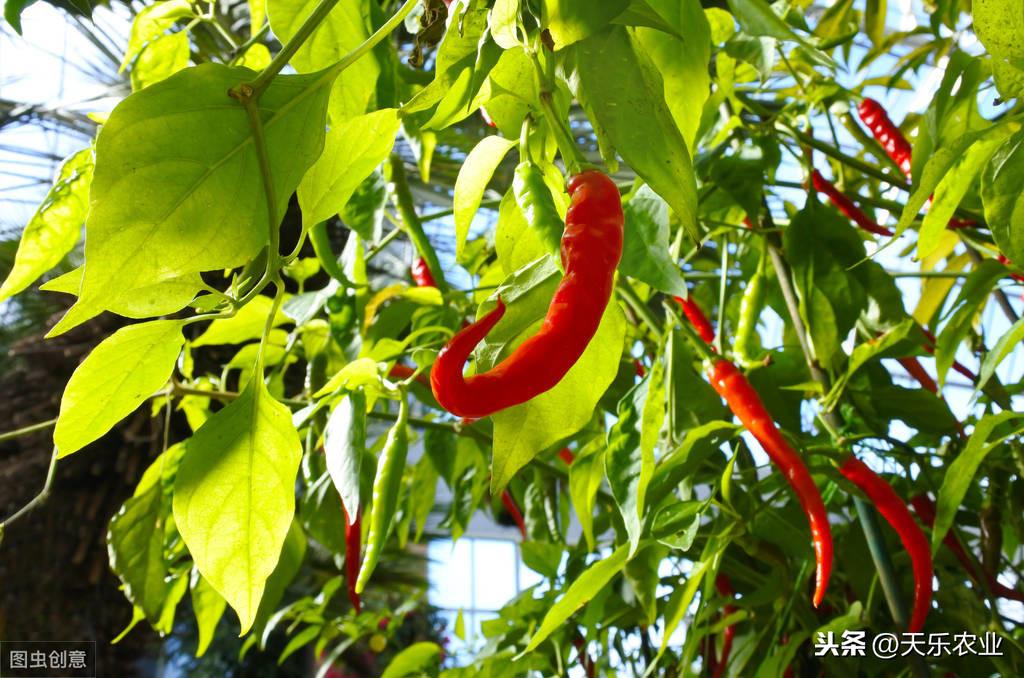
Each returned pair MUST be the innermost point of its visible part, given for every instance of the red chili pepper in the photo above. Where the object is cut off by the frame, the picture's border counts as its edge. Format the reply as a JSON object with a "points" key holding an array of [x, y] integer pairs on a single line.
{"points": [[513, 510], [639, 367], [724, 588], [1006, 262], [591, 249], [746, 404], [353, 547], [846, 206], [421, 274], [929, 345], [915, 369], [898, 516], [925, 508], [886, 133], [486, 117], [566, 455], [697, 318]]}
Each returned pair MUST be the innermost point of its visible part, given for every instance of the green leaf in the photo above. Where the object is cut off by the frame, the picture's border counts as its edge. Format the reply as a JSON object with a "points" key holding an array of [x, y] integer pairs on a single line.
{"points": [[523, 431], [234, 497], [506, 27], [620, 84], [474, 175], [288, 565], [1007, 343], [247, 324], [1001, 194], [177, 190], [419, 659], [119, 375], [456, 58], [646, 255], [960, 473], [570, 21], [585, 476], [679, 603], [208, 606], [1000, 27], [642, 574], [55, 227], [345, 447], [757, 18], [628, 465], [166, 296], [582, 589], [160, 59], [952, 189], [344, 29], [135, 542], [970, 301], [151, 22], [541, 556], [867, 351], [353, 149]]}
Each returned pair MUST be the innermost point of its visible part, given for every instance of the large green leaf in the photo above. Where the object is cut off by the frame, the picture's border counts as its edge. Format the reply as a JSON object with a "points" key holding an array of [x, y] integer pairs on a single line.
{"points": [[135, 541], [1000, 27], [344, 29], [146, 301], [585, 587], [55, 227], [118, 376], [151, 22], [177, 189], [345, 447], [628, 465], [160, 59], [618, 82], [1001, 194], [234, 497], [474, 175], [523, 431], [352, 150], [682, 62], [645, 250], [570, 21]]}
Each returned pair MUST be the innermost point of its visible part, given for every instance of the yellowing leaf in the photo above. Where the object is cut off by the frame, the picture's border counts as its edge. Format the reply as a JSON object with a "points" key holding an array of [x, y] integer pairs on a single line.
{"points": [[234, 497]]}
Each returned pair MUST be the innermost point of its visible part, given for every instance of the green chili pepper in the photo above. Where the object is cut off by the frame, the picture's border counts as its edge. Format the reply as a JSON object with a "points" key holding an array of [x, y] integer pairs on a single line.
{"points": [[745, 345], [537, 204], [321, 242], [386, 484]]}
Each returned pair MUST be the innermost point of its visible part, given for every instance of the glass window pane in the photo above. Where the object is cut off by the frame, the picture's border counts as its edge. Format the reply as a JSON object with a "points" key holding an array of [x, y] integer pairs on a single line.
{"points": [[449, 573], [494, 576]]}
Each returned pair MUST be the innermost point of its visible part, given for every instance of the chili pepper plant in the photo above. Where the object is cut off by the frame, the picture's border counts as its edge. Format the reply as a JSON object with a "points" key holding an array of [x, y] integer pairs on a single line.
{"points": [[710, 295]]}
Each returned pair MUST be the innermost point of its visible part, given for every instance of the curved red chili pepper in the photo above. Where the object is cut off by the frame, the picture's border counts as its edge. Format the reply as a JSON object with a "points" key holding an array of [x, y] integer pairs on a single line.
{"points": [[566, 455], [697, 318], [585, 661], [353, 547], [513, 510], [724, 588], [846, 206], [591, 249], [421, 274], [639, 367], [925, 508], [746, 404], [898, 516], [886, 133]]}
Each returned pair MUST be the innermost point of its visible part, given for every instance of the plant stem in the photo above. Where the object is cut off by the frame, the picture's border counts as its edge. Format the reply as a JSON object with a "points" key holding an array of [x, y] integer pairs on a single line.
{"points": [[627, 292], [571, 155], [279, 61], [25, 430], [39, 498], [411, 221], [256, 37]]}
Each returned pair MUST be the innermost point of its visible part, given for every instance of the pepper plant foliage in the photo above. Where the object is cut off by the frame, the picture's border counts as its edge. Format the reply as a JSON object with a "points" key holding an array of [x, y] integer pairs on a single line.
{"points": [[281, 351]]}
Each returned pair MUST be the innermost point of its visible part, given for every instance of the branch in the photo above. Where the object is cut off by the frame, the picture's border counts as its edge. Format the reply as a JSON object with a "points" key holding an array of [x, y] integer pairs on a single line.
{"points": [[40, 498]]}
